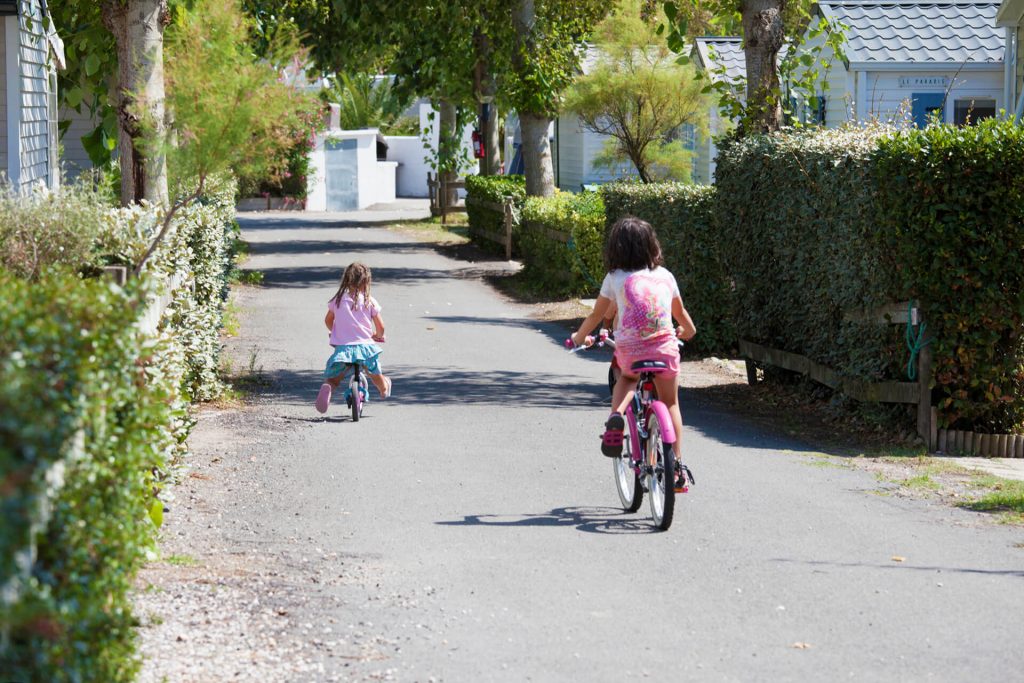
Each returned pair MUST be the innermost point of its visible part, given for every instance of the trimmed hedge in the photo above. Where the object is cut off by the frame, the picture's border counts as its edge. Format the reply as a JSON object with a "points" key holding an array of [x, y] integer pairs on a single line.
{"points": [[827, 223], [78, 388], [496, 189], [571, 267], [683, 216], [81, 388], [953, 230]]}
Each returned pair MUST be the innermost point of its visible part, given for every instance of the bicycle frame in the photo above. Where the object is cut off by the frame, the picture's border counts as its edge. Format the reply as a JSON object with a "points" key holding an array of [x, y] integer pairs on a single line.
{"points": [[637, 413]]}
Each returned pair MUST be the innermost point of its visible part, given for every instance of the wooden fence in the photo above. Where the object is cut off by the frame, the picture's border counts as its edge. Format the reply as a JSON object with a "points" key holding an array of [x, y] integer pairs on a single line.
{"points": [[918, 392], [440, 196], [503, 238]]}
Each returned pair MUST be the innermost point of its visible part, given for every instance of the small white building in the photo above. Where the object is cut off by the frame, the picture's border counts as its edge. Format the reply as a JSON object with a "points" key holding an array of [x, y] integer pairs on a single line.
{"points": [[915, 59], [721, 58], [1011, 17], [30, 53]]}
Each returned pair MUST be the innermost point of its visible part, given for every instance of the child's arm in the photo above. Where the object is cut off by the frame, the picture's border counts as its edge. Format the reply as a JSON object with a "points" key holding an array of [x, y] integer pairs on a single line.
{"points": [[329, 320], [592, 320], [378, 328], [686, 330]]}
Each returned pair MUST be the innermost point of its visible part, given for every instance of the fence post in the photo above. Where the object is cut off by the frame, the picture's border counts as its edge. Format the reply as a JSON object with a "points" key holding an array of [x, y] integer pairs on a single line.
{"points": [[924, 404], [508, 229]]}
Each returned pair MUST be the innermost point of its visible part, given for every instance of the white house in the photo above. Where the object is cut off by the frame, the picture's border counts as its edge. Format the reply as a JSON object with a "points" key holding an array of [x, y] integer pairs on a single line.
{"points": [[30, 54], [917, 59], [1011, 17], [721, 58]]}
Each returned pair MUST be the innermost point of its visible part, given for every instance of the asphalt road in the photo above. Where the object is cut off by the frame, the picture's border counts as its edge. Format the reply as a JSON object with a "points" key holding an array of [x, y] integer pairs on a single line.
{"points": [[484, 521]]}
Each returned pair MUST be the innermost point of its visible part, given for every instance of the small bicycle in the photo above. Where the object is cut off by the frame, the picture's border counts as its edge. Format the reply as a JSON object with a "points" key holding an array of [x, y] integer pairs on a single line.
{"points": [[647, 462], [358, 392]]}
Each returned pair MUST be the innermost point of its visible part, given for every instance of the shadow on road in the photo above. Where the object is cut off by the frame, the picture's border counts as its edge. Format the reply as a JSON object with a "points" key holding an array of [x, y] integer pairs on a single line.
{"points": [[444, 386], [322, 276], [299, 247], [594, 520], [301, 221]]}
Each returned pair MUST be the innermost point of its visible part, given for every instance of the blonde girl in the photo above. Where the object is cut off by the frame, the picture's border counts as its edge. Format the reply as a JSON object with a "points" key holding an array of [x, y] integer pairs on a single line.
{"points": [[356, 327]]}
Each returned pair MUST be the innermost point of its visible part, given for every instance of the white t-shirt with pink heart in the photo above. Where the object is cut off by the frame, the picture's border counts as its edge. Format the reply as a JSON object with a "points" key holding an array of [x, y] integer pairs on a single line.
{"points": [[644, 302]]}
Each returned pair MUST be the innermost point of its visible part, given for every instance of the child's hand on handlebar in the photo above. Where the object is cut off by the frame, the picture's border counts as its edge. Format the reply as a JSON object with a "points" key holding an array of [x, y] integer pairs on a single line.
{"points": [[580, 339]]}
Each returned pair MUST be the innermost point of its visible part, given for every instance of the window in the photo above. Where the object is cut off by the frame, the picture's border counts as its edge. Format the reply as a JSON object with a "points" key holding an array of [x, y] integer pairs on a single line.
{"points": [[688, 136], [969, 111]]}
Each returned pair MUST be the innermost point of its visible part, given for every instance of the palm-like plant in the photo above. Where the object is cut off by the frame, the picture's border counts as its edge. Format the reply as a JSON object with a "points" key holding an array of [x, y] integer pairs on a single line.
{"points": [[366, 101]]}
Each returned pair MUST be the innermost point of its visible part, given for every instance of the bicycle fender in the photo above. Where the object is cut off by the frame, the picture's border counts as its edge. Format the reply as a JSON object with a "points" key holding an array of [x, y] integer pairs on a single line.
{"points": [[665, 420]]}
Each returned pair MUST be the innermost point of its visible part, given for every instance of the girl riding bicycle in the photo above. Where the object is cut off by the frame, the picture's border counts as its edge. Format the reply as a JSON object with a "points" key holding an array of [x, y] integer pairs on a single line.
{"points": [[353, 317], [644, 298]]}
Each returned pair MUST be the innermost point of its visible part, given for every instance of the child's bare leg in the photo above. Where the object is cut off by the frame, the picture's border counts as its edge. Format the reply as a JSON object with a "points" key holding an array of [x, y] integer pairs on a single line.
{"points": [[623, 393], [667, 385], [336, 380], [382, 383]]}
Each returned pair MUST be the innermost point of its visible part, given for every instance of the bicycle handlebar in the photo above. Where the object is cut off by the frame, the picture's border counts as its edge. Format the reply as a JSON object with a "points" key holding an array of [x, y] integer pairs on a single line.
{"points": [[603, 339]]}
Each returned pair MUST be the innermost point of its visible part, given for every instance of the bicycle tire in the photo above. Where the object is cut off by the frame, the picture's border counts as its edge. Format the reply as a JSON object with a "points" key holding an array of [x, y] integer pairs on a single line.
{"points": [[357, 397], [660, 479], [627, 481]]}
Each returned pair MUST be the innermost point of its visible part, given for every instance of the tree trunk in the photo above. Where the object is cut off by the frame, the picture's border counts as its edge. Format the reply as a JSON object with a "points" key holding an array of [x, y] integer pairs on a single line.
{"points": [[763, 31], [448, 142], [540, 175], [138, 29], [486, 92]]}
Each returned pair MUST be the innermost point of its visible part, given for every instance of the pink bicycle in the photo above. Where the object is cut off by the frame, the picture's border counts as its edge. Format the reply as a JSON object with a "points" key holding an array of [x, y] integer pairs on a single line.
{"points": [[647, 463]]}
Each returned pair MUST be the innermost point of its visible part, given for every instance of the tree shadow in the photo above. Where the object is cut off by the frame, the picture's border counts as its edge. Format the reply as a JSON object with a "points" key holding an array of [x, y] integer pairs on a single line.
{"points": [[302, 247], [320, 276], [903, 566], [594, 520], [304, 221]]}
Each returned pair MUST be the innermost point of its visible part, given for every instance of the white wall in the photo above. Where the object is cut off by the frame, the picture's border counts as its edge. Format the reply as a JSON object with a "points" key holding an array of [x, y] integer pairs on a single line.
{"points": [[569, 143], [3, 97], [408, 151], [882, 94], [375, 179], [75, 159], [35, 100]]}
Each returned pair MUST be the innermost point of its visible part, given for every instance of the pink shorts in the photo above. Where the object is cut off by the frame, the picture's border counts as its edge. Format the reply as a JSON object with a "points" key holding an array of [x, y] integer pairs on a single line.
{"points": [[670, 358]]}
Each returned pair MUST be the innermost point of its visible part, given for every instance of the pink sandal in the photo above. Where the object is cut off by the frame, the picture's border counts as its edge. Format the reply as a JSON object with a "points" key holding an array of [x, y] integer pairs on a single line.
{"points": [[611, 440], [323, 399]]}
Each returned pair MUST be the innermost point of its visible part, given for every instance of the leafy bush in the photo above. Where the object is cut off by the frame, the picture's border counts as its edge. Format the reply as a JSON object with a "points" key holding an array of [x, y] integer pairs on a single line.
{"points": [[81, 389], [821, 225], [574, 266], [50, 228], [495, 189], [952, 229], [683, 216]]}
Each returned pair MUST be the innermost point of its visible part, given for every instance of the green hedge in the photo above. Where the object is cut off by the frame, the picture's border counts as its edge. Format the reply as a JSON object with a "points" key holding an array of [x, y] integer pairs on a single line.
{"points": [[495, 189], [683, 216], [573, 266], [952, 228], [822, 225], [80, 387]]}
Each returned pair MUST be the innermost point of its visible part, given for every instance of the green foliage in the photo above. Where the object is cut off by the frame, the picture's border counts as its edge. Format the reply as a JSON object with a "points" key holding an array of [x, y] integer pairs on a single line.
{"points": [[494, 189], [683, 216], [561, 239], [90, 412], [822, 225], [798, 214], [365, 101], [953, 229], [231, 112], [50, 228], [79, 389], [639, 97]]}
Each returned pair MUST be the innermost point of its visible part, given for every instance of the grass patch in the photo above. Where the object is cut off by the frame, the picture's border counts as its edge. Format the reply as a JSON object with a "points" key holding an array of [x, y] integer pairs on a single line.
{"points": [[921, 481], [251, 278], [456, 231], [232, 323], [1004, 495], [182, 561]]}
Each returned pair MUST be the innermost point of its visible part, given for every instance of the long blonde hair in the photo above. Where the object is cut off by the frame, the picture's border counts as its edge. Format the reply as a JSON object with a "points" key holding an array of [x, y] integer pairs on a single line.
{"points": [[355, 281]]}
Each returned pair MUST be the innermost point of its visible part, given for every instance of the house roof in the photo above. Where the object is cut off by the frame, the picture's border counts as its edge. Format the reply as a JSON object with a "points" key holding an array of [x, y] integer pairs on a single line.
{"points": [[717, 52], [918, 32]]}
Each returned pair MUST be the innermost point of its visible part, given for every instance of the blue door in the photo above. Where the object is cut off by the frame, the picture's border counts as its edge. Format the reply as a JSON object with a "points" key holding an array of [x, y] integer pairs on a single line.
{"points": [[342, 175], [924, 105]]}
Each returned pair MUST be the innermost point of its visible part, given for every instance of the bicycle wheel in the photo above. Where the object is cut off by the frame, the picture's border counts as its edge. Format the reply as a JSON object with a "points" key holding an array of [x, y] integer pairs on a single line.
{"points": [[661, 468], [627, 482], [357, 396]]}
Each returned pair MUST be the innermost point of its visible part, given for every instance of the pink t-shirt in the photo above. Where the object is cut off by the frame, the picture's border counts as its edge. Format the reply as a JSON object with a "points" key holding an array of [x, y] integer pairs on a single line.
{"points": [[353, 324], [644, 302]]}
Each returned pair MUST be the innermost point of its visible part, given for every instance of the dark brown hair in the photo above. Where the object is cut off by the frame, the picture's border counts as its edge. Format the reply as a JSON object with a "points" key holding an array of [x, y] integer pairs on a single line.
{"points": [[354, 281], [632, 245]]}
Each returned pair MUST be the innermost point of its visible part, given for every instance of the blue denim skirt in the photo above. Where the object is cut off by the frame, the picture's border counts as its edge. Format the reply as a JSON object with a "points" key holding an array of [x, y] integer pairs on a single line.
{"points": [[367, 355]]}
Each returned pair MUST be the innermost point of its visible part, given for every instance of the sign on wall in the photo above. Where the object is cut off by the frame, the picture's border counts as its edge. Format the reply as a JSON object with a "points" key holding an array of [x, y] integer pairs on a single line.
{"points": [[924, 82]]}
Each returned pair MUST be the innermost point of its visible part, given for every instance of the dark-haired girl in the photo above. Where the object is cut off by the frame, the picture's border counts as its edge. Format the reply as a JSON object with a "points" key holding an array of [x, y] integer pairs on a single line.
{"points": [[353, 317], [646, 298]]}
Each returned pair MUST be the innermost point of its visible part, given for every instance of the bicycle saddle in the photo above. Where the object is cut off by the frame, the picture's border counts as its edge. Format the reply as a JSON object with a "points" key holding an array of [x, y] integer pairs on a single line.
{"points": [[655, 366]]}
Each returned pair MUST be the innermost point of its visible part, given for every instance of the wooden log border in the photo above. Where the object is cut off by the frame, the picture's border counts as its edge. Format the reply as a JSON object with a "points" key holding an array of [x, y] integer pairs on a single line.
{"points": [[958, 442]]}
